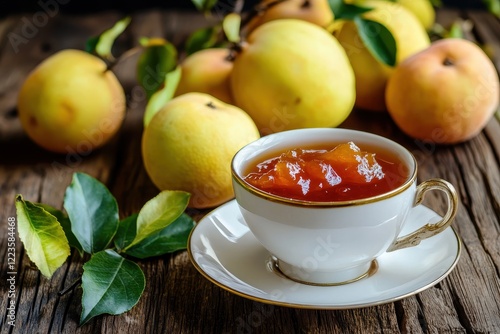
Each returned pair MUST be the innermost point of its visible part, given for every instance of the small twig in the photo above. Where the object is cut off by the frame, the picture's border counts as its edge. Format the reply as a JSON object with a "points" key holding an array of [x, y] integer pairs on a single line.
{"points": [[238, 6], [234, 50], [71, 287]]}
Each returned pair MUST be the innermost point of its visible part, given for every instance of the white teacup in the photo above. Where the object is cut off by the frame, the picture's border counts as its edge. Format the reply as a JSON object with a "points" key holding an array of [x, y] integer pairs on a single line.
{"points": [[331, 243]]}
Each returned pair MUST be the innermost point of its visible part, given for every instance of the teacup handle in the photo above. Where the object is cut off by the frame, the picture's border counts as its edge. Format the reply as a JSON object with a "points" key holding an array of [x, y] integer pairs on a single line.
{"points": [[429, 230]]}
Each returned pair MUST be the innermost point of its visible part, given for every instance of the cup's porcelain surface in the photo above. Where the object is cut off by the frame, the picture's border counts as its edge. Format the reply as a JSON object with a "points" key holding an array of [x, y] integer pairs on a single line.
{"points": [[318, 242]]}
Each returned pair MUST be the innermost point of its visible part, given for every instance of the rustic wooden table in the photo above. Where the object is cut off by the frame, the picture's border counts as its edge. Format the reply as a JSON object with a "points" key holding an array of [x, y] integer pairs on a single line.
{"points": [[177, 298]]}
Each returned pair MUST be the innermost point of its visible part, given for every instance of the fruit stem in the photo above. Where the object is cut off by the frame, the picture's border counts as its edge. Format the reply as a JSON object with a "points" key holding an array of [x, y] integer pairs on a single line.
{"points": [[235, 49], [70, 287], [306, 4], [448, 62], [211, 105]]}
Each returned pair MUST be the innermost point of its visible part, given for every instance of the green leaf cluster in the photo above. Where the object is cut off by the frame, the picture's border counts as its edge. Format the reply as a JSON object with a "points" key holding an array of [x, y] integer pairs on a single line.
{"points": [[158, 58], [375, 36], [112, 283], [203, 38], [158, 72], [224, 33], [102, 44]]}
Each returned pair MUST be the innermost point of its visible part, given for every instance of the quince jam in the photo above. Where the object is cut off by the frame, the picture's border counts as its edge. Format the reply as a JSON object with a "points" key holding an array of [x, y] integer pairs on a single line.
{"points": [[343, 173]]}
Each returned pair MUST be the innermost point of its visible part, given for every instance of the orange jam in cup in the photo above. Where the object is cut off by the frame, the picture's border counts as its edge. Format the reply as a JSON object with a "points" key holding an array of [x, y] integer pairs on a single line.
{"points": [[342, 173]]}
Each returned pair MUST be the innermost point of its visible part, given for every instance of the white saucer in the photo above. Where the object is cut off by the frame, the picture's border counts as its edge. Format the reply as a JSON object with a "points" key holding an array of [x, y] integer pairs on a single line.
{"points": [[223, 249]]}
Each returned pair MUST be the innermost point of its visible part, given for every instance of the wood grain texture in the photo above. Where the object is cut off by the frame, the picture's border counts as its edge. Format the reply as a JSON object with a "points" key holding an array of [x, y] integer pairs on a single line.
{"points": [[177, 298]]}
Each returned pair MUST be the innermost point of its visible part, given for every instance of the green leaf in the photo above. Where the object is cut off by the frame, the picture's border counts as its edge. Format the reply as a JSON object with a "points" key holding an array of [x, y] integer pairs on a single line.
{"points": [[158, 58], [158, 213], [63, 219], [126, 232], [43, 237], [202, 39], [102, 44], [336, 7], [93, 212], [204, 5], [377, 39], [172, 238], [111, 285], [91, 44], [163, 95], [456, 30], [493, 6], [231, 26], [349, 11]]}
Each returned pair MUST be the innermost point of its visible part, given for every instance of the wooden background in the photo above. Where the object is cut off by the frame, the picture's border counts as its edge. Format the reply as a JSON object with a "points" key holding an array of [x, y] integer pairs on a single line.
{"points": [[177, 298]]}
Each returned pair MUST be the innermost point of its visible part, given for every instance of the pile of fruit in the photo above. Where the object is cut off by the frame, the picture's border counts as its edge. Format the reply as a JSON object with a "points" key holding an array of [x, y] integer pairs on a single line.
{"points": [[288, 64]]}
